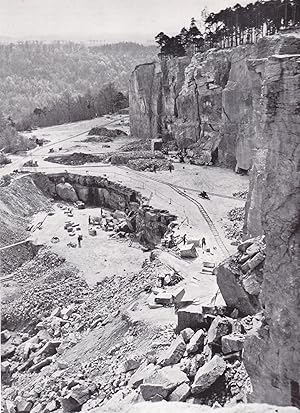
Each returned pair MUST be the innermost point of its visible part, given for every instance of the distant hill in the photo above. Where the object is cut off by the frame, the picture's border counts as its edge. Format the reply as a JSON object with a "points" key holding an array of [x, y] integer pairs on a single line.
{"points": [[36, 74]]}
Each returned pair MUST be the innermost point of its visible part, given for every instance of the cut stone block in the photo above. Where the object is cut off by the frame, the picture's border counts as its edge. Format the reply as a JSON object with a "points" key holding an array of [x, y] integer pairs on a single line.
{"points": [[190, 316]]}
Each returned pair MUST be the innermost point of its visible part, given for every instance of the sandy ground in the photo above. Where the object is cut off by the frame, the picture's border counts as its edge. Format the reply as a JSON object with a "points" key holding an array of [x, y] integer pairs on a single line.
{"points": [[97, 257]]}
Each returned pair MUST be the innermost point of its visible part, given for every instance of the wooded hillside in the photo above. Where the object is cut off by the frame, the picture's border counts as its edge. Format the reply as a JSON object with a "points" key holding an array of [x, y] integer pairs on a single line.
{"points": [[40, 75]]}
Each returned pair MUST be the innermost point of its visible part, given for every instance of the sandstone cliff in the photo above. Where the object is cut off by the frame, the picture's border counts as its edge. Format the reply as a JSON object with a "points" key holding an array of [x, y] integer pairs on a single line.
{"points": [[271, 354], [206, 103]]}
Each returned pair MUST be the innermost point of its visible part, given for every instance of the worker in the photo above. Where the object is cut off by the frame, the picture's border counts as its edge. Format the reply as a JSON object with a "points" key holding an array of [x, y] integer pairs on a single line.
{"points": [[162, 280], [203, 243], [154, 168], [184, 239], [90, 220], [79, 240]]}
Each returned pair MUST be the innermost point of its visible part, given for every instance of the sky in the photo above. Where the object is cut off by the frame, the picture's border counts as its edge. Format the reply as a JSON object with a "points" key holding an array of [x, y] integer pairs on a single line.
{"points": [[109, 20]]}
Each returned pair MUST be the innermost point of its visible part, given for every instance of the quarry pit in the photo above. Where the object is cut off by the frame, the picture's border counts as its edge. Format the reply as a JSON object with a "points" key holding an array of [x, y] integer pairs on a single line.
{"points": [[140, 308]]}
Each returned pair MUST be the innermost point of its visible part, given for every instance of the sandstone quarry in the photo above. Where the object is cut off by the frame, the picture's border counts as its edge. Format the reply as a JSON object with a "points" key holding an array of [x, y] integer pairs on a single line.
{"points": [[241, 107]]}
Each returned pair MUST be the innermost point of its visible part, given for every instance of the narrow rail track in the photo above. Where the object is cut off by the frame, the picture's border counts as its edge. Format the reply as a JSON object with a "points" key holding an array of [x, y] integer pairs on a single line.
{"points": [[207, 218], [200, 207]]}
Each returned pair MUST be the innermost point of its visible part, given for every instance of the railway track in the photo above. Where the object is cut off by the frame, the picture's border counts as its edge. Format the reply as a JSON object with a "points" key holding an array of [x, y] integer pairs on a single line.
{"points": [[206, 217], [200, 207]]}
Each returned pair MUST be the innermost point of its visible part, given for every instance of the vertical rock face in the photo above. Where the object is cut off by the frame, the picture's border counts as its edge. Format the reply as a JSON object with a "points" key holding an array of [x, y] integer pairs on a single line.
{"points": [[272, 354], [207, 103], [200, 100], [153, 92], [145, 100]]}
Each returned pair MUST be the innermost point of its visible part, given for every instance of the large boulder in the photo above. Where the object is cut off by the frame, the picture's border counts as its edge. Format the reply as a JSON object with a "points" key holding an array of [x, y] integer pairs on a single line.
{"points": [[231, 287], [141, 374], [190, 316], [232, 343], [218, 328], [196, 342], [208, 374], [162, 382], [174, 353], [187, 334], [66, 192], [180, 393]]}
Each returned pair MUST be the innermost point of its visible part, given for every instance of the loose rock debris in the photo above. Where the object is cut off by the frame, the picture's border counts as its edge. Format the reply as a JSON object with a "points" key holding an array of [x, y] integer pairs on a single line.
{"points": [[68, 346], [204, 360]]}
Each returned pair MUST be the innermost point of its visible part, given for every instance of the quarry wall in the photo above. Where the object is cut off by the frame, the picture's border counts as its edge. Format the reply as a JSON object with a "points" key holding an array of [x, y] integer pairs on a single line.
{"points": [[207, 102], [271, 353]]}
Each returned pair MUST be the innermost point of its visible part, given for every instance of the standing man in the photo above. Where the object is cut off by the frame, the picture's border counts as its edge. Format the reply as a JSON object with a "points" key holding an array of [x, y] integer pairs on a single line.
{"points": [[170, 166], [203, 243], [79, 240], [184, 239]]}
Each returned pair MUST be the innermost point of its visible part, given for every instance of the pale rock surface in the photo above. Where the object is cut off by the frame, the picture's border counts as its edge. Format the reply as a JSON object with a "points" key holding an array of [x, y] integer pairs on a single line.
{"points": [[187, 334], [66, 192], [163, 382], [180, 393], [174, 353], [232, 342], [208, 374], [196, 342], [218, 328]]}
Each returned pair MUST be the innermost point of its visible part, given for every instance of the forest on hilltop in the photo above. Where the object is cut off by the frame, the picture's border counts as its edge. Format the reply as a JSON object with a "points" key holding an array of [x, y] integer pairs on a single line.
{"points": [[65, 81], [232, 27]]}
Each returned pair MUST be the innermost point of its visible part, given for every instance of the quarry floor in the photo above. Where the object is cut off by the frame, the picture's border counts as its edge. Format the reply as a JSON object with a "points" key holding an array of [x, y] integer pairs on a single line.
{"points": [[102, 257]]}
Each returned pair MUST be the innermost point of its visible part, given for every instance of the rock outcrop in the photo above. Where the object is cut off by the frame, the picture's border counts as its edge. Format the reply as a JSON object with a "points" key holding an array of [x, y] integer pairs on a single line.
{"points": [[207, 103], [240, 276], [272, 354]]}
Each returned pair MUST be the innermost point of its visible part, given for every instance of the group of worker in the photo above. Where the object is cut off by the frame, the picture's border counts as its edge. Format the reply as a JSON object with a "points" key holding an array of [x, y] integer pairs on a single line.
{"points": [[203, 241]]}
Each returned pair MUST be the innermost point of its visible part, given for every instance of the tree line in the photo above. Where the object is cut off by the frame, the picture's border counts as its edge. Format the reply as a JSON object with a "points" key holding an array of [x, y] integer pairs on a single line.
{"points": [[232, 26]]}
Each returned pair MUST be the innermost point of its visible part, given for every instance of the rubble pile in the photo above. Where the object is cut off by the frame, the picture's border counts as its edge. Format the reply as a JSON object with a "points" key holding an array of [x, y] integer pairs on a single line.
{"points": [[148, 165], [78, 158], [98, 139], [111, 133], [138, 145], [35, 371], [202, 366], [20, 199], [240, 194], [123, 158], [240, 276], [234, 229], [43, 283]]}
